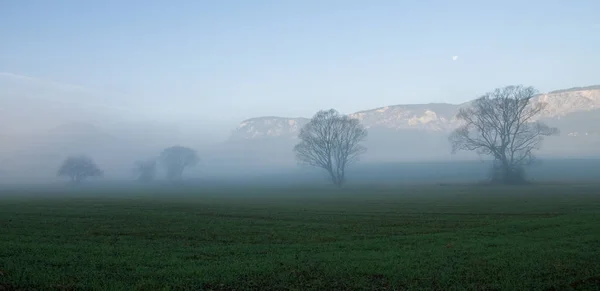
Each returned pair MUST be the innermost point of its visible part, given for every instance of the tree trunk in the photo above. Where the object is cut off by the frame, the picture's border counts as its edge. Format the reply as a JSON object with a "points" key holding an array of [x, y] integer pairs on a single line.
{"points": [[505, 172], [339, 183], [76, 179], [335, 179]]}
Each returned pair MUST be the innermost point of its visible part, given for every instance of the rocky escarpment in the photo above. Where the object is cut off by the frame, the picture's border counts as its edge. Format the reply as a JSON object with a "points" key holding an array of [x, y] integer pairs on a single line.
{"points": [[265, 127], [435, 117]]}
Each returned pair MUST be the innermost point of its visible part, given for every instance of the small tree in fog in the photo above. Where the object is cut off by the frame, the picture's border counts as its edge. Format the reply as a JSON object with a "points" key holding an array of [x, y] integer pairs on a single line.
{"points": [[145, 170], [78, 168], [175, 159], [332, 142], [501, 124]]}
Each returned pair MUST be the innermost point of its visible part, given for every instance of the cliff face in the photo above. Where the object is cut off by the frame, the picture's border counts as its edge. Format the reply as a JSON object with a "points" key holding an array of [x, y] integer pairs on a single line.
{"points": [[268, 127], [435, 117]]}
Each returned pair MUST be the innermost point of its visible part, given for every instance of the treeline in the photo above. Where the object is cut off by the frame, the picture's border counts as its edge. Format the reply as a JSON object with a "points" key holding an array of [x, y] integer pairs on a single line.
{"points": [[501, 124], [174, 160]]}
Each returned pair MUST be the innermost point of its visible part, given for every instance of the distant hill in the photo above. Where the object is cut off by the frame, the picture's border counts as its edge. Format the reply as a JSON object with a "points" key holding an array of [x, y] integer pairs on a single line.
{"points": [[594, 87], [419, 131], [431, 117]]}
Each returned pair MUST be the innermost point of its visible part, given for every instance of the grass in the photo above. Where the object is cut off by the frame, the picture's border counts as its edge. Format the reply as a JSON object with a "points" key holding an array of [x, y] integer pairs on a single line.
{"points": [[403, 238]]}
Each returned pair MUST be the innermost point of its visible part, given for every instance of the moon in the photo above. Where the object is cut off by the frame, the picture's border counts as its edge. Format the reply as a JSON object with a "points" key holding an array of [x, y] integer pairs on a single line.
{"points": [[454, 58]]}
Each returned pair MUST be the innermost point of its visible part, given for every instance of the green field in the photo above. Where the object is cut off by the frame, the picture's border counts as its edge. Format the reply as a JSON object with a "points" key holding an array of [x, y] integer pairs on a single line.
{"points": [[543, 237]]}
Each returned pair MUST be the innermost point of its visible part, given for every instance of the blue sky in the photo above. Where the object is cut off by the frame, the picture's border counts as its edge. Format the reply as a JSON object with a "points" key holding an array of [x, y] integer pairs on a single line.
{"points": [[227, 60]]}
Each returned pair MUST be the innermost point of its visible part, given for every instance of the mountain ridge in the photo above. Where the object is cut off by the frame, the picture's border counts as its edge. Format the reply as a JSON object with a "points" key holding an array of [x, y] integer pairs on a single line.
{"points": [[435, 116]]}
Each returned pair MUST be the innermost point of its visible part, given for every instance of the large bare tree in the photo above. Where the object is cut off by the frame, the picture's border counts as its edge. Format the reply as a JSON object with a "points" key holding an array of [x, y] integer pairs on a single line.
{"points": [[331, 141], [502, 124]]}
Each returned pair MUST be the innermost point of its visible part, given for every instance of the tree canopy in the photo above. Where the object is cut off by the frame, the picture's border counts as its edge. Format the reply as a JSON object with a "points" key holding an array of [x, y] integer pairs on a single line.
{"points": [[176, 159], [78, 168]]}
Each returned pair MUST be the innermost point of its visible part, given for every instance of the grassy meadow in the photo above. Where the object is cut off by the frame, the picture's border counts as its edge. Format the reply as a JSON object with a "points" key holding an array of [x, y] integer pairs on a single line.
{"points": [[541, 237]]}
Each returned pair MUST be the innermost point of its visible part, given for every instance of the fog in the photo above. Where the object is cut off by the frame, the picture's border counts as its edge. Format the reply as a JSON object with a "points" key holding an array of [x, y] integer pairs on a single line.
{"points": [[121, 90], [38, 134], [43, 122]]}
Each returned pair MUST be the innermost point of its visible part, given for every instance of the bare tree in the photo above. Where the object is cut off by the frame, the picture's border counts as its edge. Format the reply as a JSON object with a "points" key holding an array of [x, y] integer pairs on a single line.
{"points": [[332, 142], [502, 124], [175, 159], [78, 168], [145, 170]]}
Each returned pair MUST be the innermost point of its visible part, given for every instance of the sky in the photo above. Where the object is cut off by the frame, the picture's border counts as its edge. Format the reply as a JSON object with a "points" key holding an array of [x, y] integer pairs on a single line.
{"points": [[229, 60]]}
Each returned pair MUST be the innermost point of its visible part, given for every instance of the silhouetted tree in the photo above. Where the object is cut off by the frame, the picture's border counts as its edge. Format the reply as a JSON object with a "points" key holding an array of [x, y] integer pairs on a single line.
{"points": [[78, 168], [332, 142], [175, 159], [502, 124], [145, 170]]}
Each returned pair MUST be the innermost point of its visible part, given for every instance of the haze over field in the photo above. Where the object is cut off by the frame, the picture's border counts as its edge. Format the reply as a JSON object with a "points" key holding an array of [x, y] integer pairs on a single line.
{"points": [[299, 145], [235, 81]]}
